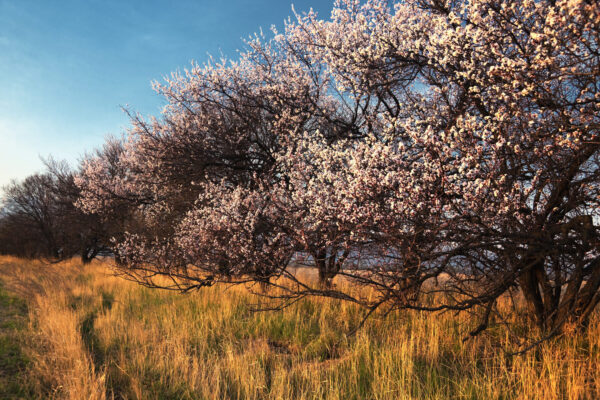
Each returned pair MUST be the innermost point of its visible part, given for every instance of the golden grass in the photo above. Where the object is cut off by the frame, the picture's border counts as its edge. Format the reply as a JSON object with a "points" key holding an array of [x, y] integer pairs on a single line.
{"points": [[92, 335]]}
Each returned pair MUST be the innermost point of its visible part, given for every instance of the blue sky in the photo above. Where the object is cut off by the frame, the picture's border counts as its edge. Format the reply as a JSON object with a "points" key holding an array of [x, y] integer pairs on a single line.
{"points": [[67, 66]]}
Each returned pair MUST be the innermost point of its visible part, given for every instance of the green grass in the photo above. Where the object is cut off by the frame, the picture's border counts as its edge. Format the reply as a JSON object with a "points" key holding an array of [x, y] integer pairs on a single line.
{"points": [[13, 362]]}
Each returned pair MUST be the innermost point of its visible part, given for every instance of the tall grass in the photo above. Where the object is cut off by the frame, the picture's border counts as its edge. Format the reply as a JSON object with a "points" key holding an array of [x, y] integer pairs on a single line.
{"points": [[96, 336]]}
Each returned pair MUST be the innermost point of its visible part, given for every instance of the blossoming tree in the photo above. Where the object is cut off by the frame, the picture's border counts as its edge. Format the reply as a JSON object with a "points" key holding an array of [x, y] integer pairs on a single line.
{"points": [[418, 147]]}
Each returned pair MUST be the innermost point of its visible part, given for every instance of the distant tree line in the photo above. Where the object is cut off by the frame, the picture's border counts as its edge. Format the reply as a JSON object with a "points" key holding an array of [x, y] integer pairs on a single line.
{"points": [[396, 145], [39, 218]]}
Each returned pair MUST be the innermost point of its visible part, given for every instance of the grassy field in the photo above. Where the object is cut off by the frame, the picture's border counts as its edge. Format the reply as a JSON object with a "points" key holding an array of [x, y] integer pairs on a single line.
{"points": [[68, 331]]}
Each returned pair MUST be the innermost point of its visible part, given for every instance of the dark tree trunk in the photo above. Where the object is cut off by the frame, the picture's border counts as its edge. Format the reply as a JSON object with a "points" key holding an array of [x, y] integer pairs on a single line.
{"points": [[329, 266], [119, 260], [553, 305], [88, 254], [530, 287]]}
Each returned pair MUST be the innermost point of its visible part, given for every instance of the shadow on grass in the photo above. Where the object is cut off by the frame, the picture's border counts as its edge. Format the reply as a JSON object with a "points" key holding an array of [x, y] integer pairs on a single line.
{"points": [[118, 384], [13, 362]]}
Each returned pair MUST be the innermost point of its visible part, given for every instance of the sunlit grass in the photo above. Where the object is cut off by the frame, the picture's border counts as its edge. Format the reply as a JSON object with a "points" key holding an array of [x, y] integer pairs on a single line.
{"points": [[93, 335]]}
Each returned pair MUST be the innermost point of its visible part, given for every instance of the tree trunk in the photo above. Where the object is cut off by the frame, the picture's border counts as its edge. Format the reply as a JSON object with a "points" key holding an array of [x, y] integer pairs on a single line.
{"points": [[530, 286], [572, 304], [88, 254], [329, 266]]}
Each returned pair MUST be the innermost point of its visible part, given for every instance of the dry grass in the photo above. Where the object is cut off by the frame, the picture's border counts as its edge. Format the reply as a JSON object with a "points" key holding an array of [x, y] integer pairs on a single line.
{"points": [[92, 335]]}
